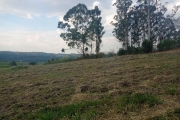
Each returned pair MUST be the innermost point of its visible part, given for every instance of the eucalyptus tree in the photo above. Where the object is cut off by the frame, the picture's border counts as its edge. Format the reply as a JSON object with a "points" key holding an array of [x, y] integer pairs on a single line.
{"points": [[75, 23], [122, 23], [96, 30], [160, 27], [177, 22]]}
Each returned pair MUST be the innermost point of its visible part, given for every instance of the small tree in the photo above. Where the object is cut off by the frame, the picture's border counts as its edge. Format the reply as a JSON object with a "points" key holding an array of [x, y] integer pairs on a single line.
{"points": [[32, 63], [12, 63], [147, 46]]}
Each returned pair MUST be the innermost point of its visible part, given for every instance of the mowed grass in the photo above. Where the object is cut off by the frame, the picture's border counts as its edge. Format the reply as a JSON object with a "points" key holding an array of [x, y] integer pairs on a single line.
{"points": [[127, 87]]}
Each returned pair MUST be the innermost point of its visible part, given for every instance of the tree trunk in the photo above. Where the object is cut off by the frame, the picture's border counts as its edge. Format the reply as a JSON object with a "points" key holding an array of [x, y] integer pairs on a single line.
{"points": [[149, 27], [83, 51], [126, 37], [96, 46]]}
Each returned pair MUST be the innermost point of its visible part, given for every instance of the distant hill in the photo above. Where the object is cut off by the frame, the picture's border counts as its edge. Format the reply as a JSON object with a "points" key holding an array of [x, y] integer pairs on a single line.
{"points": [[32, 56]]}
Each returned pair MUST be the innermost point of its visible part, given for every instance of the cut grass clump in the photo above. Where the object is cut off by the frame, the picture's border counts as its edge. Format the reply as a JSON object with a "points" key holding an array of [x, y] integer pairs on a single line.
{"points": [[77, 111], [161, 117], [174, 115], [134, 102], [171, 91]]}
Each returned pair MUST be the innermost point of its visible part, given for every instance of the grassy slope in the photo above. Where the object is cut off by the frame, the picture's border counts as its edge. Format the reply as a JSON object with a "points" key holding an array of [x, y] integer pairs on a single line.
{"points": [[26, 91]]}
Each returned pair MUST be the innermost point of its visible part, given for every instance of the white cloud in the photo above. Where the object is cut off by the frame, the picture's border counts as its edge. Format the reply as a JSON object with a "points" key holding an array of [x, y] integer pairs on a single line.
{"points": [[25, 39], [96, 3], [48, 41]]}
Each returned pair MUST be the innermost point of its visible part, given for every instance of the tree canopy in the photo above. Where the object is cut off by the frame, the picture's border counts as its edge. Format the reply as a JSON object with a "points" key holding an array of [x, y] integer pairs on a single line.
{"points": [[82, 27]]}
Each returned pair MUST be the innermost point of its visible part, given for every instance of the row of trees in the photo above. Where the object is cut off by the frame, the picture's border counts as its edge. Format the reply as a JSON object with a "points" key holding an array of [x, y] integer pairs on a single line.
{"points": [[147, 20]]}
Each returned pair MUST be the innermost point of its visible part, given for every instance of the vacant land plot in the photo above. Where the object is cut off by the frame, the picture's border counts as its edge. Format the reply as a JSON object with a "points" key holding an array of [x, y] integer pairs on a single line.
{"points": [[127, 87]]}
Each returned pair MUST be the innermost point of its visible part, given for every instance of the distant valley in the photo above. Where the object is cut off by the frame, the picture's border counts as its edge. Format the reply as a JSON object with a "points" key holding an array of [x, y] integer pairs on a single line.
{"points": [[6, 56]]}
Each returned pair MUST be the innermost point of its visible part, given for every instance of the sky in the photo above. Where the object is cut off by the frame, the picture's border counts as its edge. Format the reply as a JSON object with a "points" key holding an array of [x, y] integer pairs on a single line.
{"points": [[31, 25]]}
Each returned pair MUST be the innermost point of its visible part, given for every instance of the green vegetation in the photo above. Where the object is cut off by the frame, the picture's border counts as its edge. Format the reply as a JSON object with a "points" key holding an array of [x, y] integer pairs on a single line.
{"points": [[168, 44], [7, 56], [147, 46], [77, 111], [83, 30], [62, 60], [134, 102], [171, 91], [4, 65], [32, 63], [13, 63], [170, 115]]}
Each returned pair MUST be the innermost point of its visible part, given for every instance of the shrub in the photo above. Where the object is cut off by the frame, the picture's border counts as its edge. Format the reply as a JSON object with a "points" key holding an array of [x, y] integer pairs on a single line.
{"points": [[111, 54], [12, 63], [167, 45], [134, 50], [130, 50], [121, 52], [147, 46], [178, 42], [101, 55], [62, 60], [32, 63], [66, 59]]}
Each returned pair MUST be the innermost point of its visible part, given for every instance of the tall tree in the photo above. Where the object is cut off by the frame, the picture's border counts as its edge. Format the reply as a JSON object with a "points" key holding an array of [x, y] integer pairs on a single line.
{"points": [[82, 27], [121, 29], [96, 30], [177, 22], [161, 27], [76, 23]]}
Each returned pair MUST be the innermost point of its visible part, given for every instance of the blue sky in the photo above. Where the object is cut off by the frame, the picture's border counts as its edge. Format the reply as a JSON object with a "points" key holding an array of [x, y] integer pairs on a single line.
{"points": [[31, 25]]}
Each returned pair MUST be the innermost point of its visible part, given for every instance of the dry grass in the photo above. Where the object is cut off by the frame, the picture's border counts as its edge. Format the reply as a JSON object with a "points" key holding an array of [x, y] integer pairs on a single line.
{"points": [[29, 90]]}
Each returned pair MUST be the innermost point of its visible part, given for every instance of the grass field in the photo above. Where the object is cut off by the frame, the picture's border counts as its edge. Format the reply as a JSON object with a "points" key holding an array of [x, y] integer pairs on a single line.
{"points": [[134, 87]]}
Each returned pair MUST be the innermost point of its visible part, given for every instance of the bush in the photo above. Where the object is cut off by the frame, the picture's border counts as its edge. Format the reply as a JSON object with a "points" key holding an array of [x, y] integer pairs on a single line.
{"points": [[66, 59], [129, 51], [92, 56], [178, 42], [101, 55], [134, 50], [111, 54], [62, 60], [167, 45], [12, 63], [32, 63], [121, 52], [147, 46]]}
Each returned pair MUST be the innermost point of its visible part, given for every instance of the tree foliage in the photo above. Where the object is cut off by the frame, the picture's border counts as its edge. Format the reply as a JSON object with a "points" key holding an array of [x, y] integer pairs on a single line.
{"points": [[122, 21], [134, 23], [78, 23], [96, 30]]}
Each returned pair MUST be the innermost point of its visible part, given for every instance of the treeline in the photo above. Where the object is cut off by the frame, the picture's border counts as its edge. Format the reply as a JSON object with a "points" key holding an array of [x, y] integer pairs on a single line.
{"points": [[142, 28], [7, 56]]}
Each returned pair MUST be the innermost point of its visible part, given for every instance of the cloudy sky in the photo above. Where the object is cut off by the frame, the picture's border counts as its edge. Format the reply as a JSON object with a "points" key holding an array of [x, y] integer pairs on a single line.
{"points": [[31, 25]]}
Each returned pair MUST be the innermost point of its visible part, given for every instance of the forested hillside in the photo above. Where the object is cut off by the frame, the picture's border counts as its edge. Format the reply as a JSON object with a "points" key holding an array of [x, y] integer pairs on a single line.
{"points": [[31, 56]]}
